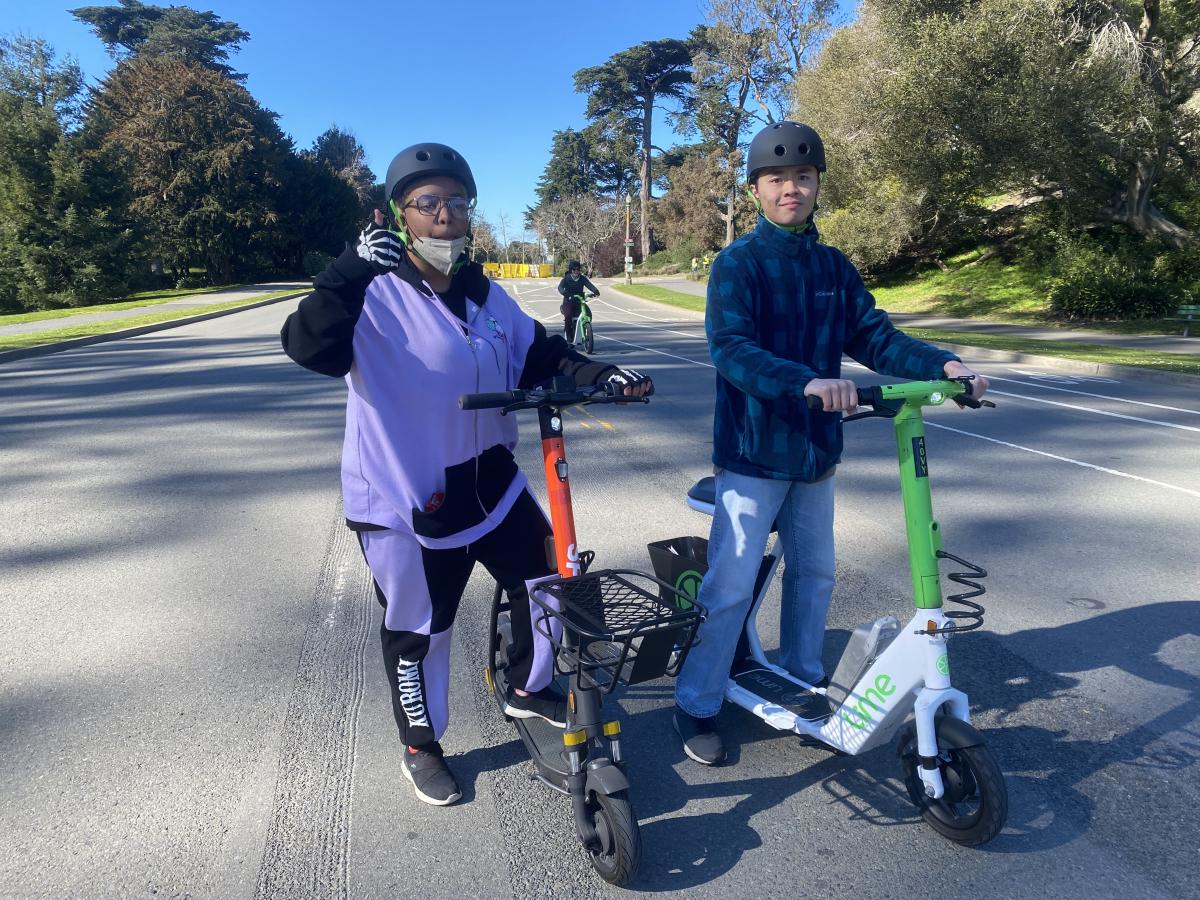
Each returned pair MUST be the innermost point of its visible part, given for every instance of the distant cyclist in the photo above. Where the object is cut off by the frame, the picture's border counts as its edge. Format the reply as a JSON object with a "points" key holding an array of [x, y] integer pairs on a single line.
{"points": [[572, 286]]}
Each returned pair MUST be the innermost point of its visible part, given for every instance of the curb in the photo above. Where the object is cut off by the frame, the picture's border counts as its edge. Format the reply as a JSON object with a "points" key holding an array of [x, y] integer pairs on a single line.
{"points": [[47, 349], [1072, 365]]}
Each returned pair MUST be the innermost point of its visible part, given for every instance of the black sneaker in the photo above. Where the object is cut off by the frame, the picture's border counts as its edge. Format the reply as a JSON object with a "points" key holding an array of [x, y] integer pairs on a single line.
{"points": [[430, 777], [549, 703], [700, 738]]}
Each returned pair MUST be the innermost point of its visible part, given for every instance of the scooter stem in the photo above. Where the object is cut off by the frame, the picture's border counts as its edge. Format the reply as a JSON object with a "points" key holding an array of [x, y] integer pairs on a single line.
{"points": [[558, 487], [924, 537]]}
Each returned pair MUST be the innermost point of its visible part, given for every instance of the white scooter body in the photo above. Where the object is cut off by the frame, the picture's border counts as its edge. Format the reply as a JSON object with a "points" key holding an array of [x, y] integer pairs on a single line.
{"points": [[911, 674]]}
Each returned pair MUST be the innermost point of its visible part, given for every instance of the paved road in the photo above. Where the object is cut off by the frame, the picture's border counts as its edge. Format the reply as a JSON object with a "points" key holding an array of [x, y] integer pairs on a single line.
{"points": [[191, 698]]}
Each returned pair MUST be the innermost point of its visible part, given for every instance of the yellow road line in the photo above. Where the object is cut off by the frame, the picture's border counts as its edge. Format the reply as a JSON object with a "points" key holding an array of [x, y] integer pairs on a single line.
{"points": [[575, 410]]}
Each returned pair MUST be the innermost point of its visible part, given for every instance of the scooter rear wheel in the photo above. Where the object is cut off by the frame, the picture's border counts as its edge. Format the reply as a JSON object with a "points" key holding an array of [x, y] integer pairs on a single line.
{"points": [[975, 804], [621, 841]]}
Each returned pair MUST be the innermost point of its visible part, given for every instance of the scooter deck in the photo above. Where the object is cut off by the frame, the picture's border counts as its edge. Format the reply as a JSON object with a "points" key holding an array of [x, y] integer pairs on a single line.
{"points": [[542, 740], [776, 689]]}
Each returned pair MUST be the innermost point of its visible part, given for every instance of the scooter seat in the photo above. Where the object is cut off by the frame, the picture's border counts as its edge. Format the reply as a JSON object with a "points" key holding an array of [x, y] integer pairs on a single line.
{"points": [[702, 496], [704, 490]]}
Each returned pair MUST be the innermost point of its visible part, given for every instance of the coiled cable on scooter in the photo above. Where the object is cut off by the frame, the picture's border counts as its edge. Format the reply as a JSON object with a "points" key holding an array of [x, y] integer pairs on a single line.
{"points": [[974, 611]]}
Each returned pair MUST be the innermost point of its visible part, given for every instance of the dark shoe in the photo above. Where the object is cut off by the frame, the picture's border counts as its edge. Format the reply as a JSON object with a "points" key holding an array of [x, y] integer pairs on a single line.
{"points": [[548, 703], [430, 777], [700, 738]]}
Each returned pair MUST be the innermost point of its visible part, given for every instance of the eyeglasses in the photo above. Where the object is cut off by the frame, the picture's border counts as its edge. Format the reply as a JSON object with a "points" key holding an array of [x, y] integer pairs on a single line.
{"points": [[430, 204]]}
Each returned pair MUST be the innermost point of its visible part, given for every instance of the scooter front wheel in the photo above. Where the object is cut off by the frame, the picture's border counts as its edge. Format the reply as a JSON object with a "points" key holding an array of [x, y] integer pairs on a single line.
{"points": [[620, 840], [974, 806], [589, 342]]}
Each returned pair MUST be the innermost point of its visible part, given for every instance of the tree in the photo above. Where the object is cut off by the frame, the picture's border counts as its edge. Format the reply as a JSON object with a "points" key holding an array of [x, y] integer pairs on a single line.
{"points": [[572, 169], [727, 64], [503, 227], [317, 212], [694, 209], [1154, 53], [600, 160], [135, 28], [345, 157], [576, 226], [484, 245], [625, 90], [65, 233], [206, 161], [928, 105], [769, 43]]}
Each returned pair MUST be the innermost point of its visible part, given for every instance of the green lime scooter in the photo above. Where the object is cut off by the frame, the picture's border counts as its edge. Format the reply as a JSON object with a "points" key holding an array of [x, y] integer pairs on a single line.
{"points": [[888, 671]]}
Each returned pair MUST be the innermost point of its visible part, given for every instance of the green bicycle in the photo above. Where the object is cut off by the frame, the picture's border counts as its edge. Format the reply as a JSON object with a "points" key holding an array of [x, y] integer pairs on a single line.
{"points": [[582, 335]]}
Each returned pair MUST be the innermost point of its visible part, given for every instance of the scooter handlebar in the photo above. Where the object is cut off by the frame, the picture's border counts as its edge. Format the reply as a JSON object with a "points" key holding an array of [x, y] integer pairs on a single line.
{"points": [[918, 393], [509, 401], [490, 401]]}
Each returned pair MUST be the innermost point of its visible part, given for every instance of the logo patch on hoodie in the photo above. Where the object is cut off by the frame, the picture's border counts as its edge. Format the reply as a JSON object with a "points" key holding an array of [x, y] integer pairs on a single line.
{"points": [[494, 327]]}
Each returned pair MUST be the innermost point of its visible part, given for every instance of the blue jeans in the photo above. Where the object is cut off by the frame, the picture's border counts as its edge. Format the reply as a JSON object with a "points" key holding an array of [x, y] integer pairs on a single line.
{"points": [[745, 509]]}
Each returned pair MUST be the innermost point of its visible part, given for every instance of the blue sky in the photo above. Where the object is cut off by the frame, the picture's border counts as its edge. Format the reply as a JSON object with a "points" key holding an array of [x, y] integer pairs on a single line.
{"points": [[494, 80]]}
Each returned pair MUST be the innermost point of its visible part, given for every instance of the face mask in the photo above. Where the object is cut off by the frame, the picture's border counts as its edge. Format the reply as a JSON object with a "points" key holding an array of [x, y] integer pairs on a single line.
{"points": [[438, 252]]}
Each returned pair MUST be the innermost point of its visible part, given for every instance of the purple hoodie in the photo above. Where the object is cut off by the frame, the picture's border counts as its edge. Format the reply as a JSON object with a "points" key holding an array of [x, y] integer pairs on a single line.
{"points": [[412, 459]]}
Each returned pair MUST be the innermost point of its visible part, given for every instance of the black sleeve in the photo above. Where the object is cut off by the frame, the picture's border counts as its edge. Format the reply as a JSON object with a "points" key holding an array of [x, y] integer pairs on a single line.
{"points": [[550, 356], [562, 286], [591, 287], [319, 335]]}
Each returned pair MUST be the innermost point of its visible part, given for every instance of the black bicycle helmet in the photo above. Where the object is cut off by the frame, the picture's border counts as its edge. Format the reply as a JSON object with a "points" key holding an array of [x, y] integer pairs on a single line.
{"points": [[573, 264], [785, 144], [423, 160]]}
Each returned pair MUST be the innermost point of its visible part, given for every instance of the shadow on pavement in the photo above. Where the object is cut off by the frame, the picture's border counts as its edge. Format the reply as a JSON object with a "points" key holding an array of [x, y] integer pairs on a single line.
{"points": [[1045, 766]]}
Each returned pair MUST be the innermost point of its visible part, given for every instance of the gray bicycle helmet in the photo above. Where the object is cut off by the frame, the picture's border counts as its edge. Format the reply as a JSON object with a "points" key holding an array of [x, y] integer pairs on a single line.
{"points": [[423, 160], [784, 144]]}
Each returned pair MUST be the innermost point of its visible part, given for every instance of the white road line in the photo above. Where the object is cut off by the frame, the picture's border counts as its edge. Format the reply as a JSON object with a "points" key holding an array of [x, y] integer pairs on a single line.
{"points": [[694, 337], [1048, 387], [605, 337], [1098, 412], [631, 312], [1067, 459]]}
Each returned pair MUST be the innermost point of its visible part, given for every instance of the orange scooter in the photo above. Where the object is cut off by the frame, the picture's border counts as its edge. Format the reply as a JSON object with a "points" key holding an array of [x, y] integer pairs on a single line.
{"points": [[607, 627]]}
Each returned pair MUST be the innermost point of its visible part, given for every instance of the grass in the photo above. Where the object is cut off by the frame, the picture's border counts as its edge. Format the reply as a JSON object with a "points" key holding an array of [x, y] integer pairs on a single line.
{"points": [[37, 338], [991, 290], [662, 295], [1185, 363], [134, 301], [994, 291]]}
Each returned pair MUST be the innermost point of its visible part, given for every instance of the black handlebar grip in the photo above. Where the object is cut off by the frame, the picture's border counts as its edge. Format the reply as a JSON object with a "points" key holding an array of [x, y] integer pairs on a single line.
{"points": [[490, 401], [866, 397]]}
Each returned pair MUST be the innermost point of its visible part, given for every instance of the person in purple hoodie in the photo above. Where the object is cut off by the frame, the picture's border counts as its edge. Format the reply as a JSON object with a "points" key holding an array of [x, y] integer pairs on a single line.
{"points": [[412, 324]]}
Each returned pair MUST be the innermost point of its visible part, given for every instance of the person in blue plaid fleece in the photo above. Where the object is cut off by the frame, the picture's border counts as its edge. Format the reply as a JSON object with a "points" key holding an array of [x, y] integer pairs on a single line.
{"points": [[782, 310]]}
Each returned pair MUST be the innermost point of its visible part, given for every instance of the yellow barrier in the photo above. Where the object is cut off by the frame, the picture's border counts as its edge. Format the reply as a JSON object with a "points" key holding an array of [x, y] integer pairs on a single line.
{"points": [[516, 270]]}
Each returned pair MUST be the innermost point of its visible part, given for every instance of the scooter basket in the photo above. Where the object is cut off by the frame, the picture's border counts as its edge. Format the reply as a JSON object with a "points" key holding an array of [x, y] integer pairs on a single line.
{"points": [[619, 626]]}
